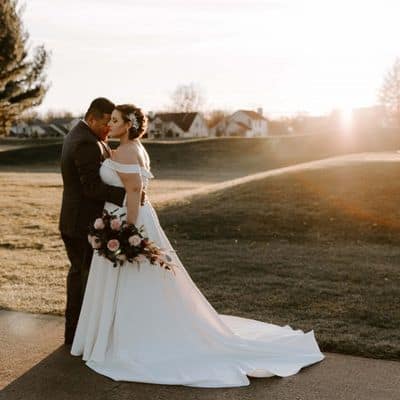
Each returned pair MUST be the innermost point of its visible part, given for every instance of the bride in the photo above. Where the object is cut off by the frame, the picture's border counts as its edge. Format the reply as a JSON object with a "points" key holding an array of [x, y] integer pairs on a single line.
{"points": [[149, 325]]}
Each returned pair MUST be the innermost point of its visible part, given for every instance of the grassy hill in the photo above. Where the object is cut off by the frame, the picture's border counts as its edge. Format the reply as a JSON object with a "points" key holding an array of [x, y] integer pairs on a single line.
{"points": [[358, 202]]}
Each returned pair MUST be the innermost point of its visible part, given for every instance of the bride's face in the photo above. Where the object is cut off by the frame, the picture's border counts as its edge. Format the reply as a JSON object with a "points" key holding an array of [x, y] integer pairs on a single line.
{"points": [[118, 127]]}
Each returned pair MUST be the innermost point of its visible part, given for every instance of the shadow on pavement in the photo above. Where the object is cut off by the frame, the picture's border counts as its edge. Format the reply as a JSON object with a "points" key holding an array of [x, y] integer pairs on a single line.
{"points": [[62, 376]]}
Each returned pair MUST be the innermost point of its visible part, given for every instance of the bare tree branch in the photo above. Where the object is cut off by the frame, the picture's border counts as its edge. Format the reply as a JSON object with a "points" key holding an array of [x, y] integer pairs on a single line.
{"points": [[187, 98]]}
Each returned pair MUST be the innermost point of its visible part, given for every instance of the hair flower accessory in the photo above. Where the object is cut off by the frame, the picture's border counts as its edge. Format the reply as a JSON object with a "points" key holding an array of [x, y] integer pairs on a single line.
{"points": [[133, 119]]}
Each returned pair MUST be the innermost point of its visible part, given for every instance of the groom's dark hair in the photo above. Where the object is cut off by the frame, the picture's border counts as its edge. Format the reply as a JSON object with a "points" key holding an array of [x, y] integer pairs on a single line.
{"points": [[100, 106]]}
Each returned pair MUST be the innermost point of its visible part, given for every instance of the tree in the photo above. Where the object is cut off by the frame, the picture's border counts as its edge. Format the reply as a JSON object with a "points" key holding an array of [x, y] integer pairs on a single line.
{"points": [[22, 80], [187, 98], [389, 94], [51, 115], [215, 116], [29, 116]]}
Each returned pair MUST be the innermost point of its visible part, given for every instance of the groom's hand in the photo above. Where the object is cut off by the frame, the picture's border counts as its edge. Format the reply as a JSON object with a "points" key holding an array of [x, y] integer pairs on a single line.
{"points": [[144, 198]]}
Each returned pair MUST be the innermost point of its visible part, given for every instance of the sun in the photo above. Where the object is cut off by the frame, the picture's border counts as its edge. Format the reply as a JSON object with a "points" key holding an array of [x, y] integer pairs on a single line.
{"points": [[346, 119]]}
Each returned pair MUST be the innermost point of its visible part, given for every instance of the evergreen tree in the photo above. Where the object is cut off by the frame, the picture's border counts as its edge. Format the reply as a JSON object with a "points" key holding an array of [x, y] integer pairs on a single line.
{"points": [[22, 80]]}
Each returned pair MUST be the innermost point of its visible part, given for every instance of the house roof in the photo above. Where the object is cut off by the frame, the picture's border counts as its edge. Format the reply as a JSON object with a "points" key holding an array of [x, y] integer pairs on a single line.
{"points": [[242, 125], [183, 120], [59, 128], [50, 130], [36, 121], [61, 120], [252, 114]]}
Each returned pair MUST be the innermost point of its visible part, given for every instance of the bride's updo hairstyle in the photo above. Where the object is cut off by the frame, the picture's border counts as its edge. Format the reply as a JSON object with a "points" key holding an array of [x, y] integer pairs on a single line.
{"points": [[131, 113]]}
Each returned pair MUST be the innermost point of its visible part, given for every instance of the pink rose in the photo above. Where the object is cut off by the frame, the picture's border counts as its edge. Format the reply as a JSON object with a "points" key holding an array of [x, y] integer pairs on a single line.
{"points": [[96, 243], [115, 224], [134, 240], [113, 245], [98, 224]]}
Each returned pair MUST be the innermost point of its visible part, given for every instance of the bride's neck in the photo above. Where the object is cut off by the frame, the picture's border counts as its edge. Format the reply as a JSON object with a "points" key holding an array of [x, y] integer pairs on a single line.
{"points": [[125, 140]]}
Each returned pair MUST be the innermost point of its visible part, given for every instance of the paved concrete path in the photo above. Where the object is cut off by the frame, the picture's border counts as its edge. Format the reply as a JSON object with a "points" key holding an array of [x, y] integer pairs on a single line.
{"points": [[35, 365]]}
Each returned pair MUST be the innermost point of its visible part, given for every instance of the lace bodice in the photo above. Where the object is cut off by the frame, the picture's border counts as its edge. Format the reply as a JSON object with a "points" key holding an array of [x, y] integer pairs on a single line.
{"points": [[109, 175]]}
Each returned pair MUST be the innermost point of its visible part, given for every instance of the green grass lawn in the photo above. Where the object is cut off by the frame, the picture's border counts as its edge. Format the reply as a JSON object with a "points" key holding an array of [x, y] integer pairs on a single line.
{"points": [[348, 293]]}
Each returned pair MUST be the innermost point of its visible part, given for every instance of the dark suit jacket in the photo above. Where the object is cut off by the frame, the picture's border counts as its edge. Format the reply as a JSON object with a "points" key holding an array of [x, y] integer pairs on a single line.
{"points": [[84, 192]]}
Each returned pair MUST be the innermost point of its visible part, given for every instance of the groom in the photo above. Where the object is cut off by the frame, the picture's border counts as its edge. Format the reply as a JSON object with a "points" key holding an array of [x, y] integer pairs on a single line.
{"points": [[83, 199]]}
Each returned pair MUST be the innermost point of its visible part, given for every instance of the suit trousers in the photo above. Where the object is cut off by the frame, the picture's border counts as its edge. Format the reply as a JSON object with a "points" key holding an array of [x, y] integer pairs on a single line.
{"points": [[80, 254]]}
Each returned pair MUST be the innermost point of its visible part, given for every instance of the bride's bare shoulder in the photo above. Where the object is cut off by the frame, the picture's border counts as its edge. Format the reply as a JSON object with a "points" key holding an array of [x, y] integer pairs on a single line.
{"points": [[126, 154]]}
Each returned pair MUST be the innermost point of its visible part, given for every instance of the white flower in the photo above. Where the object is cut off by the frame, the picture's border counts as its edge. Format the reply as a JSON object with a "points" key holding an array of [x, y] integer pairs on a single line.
{"points": [[99, 223], [115, 224], [133, 119], [134, 240]]}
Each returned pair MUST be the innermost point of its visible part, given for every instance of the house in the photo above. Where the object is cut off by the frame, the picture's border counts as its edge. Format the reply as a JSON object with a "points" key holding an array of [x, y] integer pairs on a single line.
{"points": [[20, 129], [34, 129], [176, 125], [58, 127], [65, 123], [244, 123], [53, 130]]}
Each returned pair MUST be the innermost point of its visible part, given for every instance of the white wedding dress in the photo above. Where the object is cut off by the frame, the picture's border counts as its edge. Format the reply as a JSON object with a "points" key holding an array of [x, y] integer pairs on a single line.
{"points": [[149, 325]]}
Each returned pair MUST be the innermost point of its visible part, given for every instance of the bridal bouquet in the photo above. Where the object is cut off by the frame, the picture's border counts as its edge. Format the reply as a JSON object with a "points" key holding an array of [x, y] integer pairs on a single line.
{"points": [[119, 241]]}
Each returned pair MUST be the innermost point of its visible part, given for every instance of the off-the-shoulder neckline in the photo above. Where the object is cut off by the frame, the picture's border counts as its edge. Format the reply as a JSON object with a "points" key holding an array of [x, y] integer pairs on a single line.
{"points": [[127, 165]]}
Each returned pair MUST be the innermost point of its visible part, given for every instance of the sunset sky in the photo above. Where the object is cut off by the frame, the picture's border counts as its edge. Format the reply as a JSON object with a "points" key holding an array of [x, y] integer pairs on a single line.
{"points": [[283, 56]]}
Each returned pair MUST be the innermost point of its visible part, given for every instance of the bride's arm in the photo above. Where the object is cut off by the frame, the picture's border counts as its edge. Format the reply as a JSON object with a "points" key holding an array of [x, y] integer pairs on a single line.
{"points": [[132, 183], [133, 186]]}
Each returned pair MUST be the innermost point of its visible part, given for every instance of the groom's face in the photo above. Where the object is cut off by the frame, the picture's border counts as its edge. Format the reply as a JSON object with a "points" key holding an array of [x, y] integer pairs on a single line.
{"points": [[100, 125]]}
